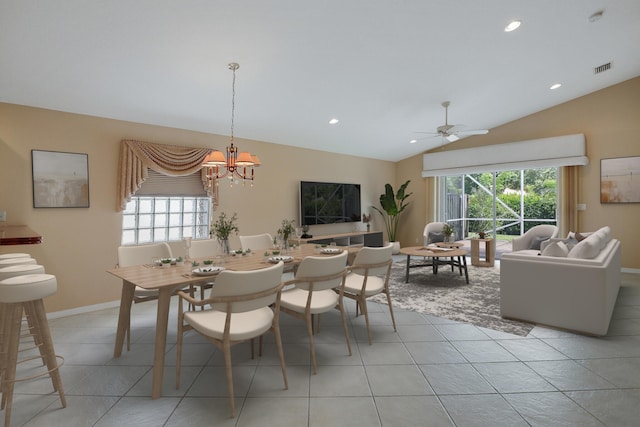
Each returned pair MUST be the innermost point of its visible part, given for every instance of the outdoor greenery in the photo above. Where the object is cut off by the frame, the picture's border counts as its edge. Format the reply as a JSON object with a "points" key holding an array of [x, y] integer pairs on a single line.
{"points": [[540, 199]]}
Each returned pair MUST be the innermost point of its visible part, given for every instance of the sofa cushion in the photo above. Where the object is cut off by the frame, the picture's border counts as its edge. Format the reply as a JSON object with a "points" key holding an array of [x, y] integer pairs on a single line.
{"points": [[435, 237], [557, 249], [587, 248], [535, 242]]}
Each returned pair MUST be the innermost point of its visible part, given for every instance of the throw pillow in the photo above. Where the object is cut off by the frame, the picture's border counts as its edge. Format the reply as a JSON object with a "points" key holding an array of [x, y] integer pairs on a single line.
{"points": [[557, 249], [570, 242], [435, 237], [579, 237], [535, 242]]}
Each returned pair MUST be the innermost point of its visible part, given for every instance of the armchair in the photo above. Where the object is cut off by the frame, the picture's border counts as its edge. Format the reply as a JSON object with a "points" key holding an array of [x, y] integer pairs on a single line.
{"points": [[534, 237]]}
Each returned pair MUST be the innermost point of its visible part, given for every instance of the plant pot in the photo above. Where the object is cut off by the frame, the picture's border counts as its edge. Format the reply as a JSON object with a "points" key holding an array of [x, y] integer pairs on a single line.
{"points": [[396, 248]]}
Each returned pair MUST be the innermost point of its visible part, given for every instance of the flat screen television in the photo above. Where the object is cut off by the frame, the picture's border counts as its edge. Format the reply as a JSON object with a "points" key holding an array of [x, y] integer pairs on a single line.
{"points": [[329, 203]]}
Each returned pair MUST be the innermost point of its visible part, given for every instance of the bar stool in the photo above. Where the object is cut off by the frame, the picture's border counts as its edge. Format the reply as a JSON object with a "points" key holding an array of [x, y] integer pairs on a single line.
{"points": [[18, 294], [15, 261], [15, 255], [5, 273]]}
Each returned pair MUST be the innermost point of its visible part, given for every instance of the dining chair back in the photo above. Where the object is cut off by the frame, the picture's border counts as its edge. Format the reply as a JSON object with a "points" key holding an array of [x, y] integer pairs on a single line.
{"points": [[368, 276], [319, 284], [238, 309], [142, 254], [205, 248], [256, 241]]}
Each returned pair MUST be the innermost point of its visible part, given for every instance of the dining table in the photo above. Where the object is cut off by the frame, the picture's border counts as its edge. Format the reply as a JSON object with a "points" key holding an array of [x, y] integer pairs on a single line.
{"points": [[167, 279]]}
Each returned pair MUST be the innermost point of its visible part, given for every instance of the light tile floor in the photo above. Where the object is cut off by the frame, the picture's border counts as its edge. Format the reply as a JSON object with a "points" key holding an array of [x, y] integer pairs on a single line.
{"points": [[432, 372]]}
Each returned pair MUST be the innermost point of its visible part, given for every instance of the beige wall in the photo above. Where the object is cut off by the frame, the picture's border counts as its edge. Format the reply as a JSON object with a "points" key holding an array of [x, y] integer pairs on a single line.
{"points": [[610, 121], [80, 244]]}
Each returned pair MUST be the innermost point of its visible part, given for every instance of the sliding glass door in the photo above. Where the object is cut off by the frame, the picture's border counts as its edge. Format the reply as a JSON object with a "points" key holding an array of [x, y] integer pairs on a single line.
{"points": [[506, 203]]}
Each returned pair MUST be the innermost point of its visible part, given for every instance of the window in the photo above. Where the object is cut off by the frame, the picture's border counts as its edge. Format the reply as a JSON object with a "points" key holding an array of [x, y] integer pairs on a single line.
{"points": [[149, 219], [167, 208], [505, 203]]}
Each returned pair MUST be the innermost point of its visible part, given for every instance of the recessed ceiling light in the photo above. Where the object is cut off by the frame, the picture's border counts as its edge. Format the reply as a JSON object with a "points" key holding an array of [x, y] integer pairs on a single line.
{"points": [[333, 121], [555, 86], [413, 141], [513, 25]]}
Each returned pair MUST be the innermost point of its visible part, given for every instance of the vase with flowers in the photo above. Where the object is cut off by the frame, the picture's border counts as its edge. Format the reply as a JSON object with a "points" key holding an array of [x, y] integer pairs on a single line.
{"points": [[222, 229], [286, 230], [367, 219]]}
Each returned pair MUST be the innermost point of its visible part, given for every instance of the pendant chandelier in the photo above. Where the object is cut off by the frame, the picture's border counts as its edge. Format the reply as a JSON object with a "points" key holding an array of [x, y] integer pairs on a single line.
{"points": [[235, 165]]}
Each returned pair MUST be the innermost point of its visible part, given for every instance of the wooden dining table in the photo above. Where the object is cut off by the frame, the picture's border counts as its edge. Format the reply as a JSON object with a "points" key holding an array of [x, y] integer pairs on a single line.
{"points": [[167, 279]]}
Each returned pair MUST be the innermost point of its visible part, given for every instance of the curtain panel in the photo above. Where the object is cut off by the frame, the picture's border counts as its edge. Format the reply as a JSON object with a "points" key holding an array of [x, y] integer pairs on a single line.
{"points": [[137, 157]]}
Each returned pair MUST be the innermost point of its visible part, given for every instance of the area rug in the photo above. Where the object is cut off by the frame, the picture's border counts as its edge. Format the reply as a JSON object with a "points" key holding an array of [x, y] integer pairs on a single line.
{"points": [[447, 295]]}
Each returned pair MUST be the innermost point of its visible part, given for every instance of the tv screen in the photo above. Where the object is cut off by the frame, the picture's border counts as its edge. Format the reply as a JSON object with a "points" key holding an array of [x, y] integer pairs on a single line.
{"points": [[329, 203]]}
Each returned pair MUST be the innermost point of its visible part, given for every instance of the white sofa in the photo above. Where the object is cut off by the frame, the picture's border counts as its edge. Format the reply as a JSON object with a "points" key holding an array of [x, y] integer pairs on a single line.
{"points": [[576, 291]]}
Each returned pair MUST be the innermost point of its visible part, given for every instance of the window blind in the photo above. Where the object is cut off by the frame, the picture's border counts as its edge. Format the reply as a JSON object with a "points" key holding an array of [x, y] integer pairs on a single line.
{"points": [[165, 185]]}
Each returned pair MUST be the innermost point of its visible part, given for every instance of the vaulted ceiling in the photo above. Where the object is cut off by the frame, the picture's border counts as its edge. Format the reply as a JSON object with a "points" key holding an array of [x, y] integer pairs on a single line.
{"points": [[382, 68]]}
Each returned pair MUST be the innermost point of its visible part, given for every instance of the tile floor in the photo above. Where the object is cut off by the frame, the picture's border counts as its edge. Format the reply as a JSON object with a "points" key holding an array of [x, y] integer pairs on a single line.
{"points": [[432, 372]]}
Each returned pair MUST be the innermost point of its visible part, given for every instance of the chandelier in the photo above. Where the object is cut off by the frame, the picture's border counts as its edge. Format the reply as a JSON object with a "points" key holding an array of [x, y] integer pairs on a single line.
{"points": [[235, 165]]}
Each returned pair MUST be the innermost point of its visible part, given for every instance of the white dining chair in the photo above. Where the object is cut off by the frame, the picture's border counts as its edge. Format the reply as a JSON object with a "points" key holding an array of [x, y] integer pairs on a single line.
{"points": [[313, 294], [239, 309], [368, 276], [205, 248], [256, 241], [140, 255]]}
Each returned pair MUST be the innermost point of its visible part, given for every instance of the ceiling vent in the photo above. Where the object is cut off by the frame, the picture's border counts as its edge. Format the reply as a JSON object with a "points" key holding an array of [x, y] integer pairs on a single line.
{"points": [[602, 68]]}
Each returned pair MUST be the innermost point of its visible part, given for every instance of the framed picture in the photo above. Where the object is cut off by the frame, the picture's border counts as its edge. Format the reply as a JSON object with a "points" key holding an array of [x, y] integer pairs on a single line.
{"points": [[620, 180], [60, 180]]}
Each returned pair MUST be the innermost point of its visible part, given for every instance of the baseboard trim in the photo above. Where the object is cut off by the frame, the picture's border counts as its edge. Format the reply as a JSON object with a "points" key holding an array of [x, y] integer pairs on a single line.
{"points": [[83, 310], [631, 270]]}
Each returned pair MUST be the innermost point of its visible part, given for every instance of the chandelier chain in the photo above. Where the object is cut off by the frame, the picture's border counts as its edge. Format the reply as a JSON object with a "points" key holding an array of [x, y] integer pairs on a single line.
{"points": [[233, 67]]}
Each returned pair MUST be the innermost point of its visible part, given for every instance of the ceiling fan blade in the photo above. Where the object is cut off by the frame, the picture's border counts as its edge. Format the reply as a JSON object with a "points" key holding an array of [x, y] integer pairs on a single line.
{"points": [[473, 132], [452, 137]]}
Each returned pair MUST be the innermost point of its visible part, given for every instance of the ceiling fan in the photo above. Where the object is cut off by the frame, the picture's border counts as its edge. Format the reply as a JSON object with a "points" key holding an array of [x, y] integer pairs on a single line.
{"points": [[452, 132]]}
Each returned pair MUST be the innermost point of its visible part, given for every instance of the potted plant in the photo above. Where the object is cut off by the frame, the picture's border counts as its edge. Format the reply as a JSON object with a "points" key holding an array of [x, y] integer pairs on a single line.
{"points": [[447, 231], [393, 204], [286, 231], [223, 228]]}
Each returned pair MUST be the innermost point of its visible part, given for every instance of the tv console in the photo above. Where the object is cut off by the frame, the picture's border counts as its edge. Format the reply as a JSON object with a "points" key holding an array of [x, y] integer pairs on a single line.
{"points": [[356, 238]]}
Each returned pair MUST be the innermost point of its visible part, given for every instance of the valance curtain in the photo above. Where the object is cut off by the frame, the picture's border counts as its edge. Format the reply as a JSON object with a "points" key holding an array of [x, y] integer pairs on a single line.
{"points": [[567, 150], [136, 157]]}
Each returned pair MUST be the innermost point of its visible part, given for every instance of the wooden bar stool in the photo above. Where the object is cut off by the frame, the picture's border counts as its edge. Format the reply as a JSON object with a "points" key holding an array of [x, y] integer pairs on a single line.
{"points": [[5, 273], [18, 294]]}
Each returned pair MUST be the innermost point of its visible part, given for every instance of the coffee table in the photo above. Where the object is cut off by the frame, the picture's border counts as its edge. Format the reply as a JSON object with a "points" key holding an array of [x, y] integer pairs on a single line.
{"points": [[457, 258]]}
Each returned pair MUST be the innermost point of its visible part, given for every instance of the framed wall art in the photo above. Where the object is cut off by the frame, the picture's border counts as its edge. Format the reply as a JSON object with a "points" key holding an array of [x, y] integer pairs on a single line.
{"points": [[620, 180], [60, 180]]}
